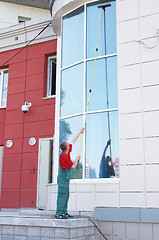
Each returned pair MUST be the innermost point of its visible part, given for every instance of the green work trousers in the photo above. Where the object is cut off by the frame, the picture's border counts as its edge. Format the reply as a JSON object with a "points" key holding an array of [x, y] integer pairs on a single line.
{"points": [[63, 191]]}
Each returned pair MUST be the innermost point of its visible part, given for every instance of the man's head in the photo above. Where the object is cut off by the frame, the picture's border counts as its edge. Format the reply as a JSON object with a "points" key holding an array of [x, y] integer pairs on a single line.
{"points": [[64, 146]]}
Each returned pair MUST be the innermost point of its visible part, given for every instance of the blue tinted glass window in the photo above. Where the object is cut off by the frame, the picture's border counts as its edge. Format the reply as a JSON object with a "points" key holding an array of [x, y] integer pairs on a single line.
{"points": [[68, 129], [73, 37], [104, 93], [72, 95], [100, 128], [107, 42], [102, 122]]}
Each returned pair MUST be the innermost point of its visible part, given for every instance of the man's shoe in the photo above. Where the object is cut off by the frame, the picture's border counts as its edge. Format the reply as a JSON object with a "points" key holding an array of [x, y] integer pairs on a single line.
{"points": [[68, 215], [63, 216]]}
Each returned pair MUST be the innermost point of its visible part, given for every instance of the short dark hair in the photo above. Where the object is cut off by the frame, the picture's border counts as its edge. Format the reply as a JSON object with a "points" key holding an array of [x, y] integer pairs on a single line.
{"points": [[63, 146]]}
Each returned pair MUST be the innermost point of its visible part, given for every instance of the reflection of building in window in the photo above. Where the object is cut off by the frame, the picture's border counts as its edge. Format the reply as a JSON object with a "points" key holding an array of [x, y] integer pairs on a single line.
{"points": [[51, 76], [80, 30], [90, 171], [3, 87], [23, 19], [116, 167]]}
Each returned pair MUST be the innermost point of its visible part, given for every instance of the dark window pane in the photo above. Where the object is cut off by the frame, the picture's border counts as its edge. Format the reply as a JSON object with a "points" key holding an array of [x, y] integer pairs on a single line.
{"points": [[53, 77]]}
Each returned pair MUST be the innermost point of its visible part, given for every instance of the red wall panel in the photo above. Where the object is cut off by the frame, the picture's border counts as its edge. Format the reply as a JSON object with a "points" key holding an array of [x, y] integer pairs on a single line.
{"points": [[17, 70], [11, 180], [16, 85], [14, 117], [28, 197], [30, 160], [12, 163], [34, 82], [27, 79], [10, 198], [15, 101]]}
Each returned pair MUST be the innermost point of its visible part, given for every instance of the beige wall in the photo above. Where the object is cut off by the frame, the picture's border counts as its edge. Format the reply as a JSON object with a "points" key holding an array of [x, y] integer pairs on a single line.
{"points": [[9, 13]]}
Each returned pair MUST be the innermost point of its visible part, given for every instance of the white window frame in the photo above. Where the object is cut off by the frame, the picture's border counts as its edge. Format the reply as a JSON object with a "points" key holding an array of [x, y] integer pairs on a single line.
{"points": [[49, 76], [58, 98], [1, 85]]}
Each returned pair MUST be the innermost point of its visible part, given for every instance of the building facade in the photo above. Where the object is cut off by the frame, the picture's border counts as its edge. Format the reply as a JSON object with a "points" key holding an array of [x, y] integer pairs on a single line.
{"points": [[133, 99], [123, 107], [27, 79]]}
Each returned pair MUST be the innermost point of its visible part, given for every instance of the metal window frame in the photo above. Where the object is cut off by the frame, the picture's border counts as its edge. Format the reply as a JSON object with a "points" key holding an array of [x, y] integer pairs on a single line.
{"points": [[58, 88], [49, 75], [1, 85]]}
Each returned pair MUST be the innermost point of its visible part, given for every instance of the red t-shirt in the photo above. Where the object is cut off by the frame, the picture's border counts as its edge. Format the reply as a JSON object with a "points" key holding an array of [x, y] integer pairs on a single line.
{"points": [[65, 159]]}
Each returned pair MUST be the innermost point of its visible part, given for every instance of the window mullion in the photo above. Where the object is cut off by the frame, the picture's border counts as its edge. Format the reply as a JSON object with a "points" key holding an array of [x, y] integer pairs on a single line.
{"points": [[84, 90]]}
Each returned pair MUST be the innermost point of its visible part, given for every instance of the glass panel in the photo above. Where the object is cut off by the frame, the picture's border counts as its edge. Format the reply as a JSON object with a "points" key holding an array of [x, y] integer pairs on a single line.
{"points": [[107, 41], [72, 90], [4, 89], [97, 165], [53, 76], [68, 129], [73, 37], [104, 94]]}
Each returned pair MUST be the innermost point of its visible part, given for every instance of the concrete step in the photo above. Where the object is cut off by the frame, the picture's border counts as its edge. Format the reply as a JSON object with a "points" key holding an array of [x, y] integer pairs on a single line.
{"points": [[33, 225]]}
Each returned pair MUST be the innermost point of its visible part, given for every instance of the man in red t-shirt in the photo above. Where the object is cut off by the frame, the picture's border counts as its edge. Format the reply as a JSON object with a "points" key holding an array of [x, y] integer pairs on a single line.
{"points": [[63, 178]]}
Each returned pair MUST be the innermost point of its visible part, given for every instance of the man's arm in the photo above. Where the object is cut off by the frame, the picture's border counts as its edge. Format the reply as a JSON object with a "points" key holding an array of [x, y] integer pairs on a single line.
{"points": [[76, 137], [75, 162]]}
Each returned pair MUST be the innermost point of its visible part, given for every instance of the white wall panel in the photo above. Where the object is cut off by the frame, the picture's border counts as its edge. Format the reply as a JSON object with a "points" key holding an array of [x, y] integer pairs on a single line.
{"points": [[149, 26], [151, 124], [151, 150], [149, 54], [107, 199], [124, 27], [127, 10], [130, 126], [132, 200], [85, 201], [133, 101], [152, 177], [148, 7], [150, 74], [128, 54], [129, 77], [132, 178], [150, 96], [152, 200], [131, 151]]}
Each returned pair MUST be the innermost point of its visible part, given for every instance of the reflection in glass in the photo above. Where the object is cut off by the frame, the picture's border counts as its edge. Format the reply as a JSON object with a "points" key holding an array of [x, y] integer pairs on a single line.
{"points": [[72, 90], [4, 89], [104, 94], [73, 37], [97, 135], [107, 42], [68, 129]]}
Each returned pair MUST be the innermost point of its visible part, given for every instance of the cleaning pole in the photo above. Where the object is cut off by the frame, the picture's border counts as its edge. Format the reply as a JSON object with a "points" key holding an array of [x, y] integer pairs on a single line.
{"points": [[103, 6]]}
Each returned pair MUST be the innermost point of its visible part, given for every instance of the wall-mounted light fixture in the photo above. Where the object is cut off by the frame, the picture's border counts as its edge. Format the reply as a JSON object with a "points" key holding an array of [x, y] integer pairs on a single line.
{"points": [[25, 107]]}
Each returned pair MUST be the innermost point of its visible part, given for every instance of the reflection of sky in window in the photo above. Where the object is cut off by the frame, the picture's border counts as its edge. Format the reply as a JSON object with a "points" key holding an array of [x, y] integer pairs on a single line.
{"points": [[72, 90], [97, 135], [105, 70], [93, 23], [73, 42]]}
